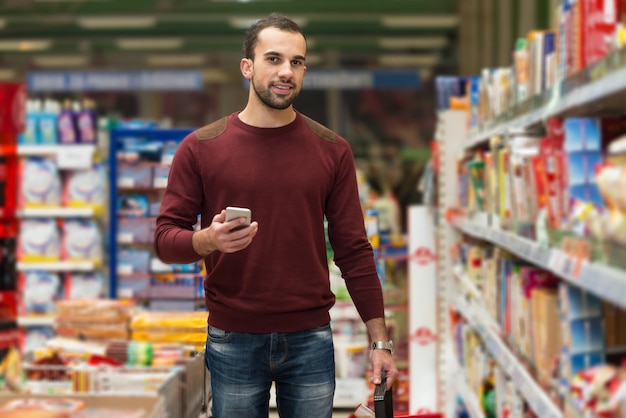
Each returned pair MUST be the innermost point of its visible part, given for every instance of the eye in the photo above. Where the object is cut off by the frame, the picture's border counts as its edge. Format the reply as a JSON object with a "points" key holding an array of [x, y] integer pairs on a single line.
{"points": [[297, 63], [273, 59]]}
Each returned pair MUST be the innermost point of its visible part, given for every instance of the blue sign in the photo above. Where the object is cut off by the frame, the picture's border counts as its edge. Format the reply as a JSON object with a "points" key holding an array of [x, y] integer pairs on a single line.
{"points": [[358, 79], [361, 79], [50, 81]]}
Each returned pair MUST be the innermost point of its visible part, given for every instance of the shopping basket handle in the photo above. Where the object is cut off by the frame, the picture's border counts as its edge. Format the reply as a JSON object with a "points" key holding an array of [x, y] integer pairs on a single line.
{"points": [[383, 400]]}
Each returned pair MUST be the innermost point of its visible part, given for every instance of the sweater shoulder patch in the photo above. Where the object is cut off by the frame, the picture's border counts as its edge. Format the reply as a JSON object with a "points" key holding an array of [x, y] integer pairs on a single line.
{"points": [[212, 130], [320, 130]]}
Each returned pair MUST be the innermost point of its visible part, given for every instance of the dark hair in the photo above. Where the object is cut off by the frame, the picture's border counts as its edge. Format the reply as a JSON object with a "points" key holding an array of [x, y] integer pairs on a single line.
{"points": [[274, 20]]}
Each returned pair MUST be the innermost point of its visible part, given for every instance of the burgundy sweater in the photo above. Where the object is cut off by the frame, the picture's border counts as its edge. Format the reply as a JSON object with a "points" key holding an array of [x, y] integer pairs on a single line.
{"points": [[290, 177]]}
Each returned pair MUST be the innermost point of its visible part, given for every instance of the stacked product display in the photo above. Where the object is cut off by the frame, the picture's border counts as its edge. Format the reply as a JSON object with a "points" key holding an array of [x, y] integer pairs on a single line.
{"points": [[140, 157], [67, 339], [531, 187], [62, 196]]}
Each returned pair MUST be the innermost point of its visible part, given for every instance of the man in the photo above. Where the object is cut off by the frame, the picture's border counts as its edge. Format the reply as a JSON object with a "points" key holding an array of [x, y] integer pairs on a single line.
{"points": [[267, 288]]}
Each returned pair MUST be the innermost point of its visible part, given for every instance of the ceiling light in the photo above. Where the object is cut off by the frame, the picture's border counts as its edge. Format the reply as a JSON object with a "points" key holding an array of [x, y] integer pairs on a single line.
{"points": [[216, 76], [69, 1], [406, 43], [426, 73], [176, 60], [408, 60], [246, 22], [422, 21], [149, 43], [116, 22], [242, 1], [61, 61], [25, 45]]}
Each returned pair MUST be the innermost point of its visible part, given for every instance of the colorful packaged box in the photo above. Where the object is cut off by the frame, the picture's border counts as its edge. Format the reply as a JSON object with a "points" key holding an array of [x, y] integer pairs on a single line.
{"points": [[583, 335], [39, 240], [40, 183], [82, 240], [135, 176], [577, 303], [40, 291], [86, 187]]}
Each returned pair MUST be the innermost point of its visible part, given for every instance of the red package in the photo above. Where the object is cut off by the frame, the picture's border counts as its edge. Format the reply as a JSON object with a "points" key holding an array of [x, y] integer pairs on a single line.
{"points": [[600, 19], [12, 112]]}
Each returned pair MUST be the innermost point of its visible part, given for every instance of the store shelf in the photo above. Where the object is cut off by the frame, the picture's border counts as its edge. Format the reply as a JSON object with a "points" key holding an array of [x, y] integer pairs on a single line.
{"points": [[119, 186], [77, 156], [537, 399], [57, 212], [529, 119], [469, 397], [590, 90], [36, 321], [59, 266], [604, 281]]}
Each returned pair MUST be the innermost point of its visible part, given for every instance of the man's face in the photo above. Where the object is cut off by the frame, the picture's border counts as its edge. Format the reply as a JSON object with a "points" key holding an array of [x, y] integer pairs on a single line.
{"points": [[278, 67]]}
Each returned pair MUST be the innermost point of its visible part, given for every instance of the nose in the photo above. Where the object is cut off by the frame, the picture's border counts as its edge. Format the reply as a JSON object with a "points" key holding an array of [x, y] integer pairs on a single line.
{"points": [[285, 71]]}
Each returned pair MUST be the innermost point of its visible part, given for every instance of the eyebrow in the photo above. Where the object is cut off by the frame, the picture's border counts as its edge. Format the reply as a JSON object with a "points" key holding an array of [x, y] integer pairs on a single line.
{"points": [[297, 57]]}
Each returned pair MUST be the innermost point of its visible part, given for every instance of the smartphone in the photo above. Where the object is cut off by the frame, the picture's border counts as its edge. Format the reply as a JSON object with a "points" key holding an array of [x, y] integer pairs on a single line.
{"points": [[233, 212]]}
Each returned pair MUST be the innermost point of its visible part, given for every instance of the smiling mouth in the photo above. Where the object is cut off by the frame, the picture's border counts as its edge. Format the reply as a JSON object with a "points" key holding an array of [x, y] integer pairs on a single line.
{"points": [[283, 87]]}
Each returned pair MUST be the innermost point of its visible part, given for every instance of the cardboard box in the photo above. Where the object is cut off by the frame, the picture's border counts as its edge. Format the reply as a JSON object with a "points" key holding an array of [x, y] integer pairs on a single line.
{"points": [[615, 325], [577, 303], [546, 338], [583, 335]]}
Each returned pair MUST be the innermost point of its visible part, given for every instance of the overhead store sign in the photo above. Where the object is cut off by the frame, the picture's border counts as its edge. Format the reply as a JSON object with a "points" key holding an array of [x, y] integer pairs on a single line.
{"points": [[360, 79], [114, 80]]}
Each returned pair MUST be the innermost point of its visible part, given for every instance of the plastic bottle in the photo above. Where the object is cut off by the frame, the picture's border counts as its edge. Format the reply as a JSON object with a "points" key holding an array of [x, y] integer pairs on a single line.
{"points": [[87, 123], [68, 133], [48, 123], [30, 134]]}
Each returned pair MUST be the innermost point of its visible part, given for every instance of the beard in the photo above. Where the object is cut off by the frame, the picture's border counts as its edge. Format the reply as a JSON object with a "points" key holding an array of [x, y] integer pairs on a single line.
{"points": [[272, 101]]}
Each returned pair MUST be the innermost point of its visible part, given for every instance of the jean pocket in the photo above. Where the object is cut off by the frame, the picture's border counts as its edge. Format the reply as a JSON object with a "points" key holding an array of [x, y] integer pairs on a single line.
{"points": [[217, 335]]}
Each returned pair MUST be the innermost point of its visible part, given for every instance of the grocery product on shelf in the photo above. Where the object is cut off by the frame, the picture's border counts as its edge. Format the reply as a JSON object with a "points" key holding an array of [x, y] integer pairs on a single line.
{"points": [[140, 157], [529, 184]]}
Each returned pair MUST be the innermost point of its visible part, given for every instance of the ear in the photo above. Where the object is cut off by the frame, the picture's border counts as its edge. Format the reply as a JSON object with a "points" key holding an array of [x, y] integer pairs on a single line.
{"points": [[246, 67]]}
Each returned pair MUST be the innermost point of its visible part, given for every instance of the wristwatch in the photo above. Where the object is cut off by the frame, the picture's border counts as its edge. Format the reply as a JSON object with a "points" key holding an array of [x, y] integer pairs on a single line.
{"points": [[383, 345]]}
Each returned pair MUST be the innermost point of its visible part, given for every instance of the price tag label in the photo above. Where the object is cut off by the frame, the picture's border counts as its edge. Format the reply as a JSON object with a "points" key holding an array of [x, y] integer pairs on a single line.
{"points": [[125, 237], [160, 183], [125, 269], [74, 157], [126, 182], [556, 260]]}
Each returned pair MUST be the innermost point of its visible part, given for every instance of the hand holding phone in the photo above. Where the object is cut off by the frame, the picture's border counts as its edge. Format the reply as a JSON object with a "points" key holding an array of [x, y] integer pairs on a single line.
{"points": [[233, 212]]}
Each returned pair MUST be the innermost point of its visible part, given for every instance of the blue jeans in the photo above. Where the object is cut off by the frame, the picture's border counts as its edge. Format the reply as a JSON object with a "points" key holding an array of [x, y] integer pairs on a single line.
{"points": [[243, 367]]}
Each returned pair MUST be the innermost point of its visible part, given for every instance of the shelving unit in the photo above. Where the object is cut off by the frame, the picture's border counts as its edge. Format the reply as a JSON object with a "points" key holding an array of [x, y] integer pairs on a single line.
{"points": [[595, 91], [57, 212], [606, 282], [68, 160], [122, 186], [596, 88], [480, 320]]}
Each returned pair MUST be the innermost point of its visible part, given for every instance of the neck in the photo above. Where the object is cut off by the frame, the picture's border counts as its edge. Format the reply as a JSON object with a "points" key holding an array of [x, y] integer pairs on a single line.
{"points": [[266, 117]]}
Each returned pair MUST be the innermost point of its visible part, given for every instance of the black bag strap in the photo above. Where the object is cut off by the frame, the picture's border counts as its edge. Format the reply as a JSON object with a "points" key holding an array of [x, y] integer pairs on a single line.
{"points": [[383, 399]]}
